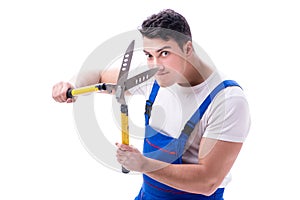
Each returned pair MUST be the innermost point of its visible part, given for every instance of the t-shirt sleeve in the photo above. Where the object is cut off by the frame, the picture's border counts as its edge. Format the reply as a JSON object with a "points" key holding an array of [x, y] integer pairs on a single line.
{"points": [[228, 119]]}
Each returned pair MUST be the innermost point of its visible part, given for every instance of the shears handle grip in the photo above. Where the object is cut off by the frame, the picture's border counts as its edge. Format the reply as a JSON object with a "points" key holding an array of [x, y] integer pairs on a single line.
{"points": [[85, 90], [125, 129]]}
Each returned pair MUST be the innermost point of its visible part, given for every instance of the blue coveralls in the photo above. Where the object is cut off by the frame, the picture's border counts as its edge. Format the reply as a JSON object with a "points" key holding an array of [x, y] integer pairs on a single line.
{"points": [[168, 149]]}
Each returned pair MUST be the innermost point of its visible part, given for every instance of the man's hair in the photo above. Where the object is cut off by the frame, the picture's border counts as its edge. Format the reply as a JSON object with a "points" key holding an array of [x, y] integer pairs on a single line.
{"points": [[167, 25]]}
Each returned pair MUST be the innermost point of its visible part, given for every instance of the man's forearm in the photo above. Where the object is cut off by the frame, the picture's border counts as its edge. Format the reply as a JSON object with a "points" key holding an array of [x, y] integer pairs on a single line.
{"points": [[187, 177], [86, 78]]}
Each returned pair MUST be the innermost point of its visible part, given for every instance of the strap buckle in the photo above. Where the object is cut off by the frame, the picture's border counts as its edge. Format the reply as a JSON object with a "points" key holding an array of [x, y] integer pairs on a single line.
{"points": [[188, 128], [148, 108]]}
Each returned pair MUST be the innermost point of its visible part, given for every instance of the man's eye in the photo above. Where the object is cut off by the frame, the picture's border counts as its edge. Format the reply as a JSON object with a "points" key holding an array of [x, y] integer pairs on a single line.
{"points": [[148, 55], [164, 53]]}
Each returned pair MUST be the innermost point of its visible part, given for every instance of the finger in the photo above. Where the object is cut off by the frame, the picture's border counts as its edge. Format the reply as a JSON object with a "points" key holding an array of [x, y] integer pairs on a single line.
{"points": [[121, 161], [69, 100], [124, 147], [120, 152], [121, 158], [63, 93], [118, 145], [121, 146], [56, 93], [58, 99]]}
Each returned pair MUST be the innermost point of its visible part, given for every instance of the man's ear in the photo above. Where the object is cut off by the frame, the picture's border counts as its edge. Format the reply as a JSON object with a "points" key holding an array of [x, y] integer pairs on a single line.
{"points": [[188, 48]]}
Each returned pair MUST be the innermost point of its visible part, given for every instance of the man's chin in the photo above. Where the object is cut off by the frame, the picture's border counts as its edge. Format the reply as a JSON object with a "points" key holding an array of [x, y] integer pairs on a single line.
{"points": [[163, 82]]}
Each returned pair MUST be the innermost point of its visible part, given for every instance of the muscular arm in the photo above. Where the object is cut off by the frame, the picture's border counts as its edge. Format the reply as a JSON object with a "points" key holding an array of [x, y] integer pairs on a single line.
{"points": [[83, 79], [215, 160], [93, 77]]}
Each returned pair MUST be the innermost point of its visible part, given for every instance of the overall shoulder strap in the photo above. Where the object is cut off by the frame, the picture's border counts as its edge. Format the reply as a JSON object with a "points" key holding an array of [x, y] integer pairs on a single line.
{"points": [[150, 102], [197, 116]]}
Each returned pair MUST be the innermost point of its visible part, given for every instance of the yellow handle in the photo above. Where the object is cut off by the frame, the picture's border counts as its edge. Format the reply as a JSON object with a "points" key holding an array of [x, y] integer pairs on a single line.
{"points": [[84, 90], [125, 129]]}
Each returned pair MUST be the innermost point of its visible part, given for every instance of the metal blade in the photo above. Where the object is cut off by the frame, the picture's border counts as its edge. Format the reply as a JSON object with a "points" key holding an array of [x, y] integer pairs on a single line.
{"points": [[123, 74], [140, 78]]}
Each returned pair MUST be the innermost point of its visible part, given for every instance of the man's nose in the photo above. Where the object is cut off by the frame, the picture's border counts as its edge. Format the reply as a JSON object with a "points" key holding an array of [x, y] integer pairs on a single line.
{"points": [[155, 62]]}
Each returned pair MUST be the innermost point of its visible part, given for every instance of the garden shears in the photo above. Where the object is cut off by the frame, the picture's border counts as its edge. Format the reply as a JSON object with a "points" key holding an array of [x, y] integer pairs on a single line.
{"points": [[123, 84]]}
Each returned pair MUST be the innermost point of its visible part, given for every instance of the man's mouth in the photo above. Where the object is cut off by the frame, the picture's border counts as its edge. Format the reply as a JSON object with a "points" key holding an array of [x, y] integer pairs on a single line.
{"points": [[160, 73]]}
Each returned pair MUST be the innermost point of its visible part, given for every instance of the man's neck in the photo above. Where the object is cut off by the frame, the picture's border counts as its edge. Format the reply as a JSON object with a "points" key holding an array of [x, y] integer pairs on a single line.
{"points": [[196, 72]]}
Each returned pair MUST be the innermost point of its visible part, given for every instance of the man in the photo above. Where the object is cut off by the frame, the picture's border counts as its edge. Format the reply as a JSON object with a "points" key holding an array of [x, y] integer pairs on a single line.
{"points": [[196, 121]]}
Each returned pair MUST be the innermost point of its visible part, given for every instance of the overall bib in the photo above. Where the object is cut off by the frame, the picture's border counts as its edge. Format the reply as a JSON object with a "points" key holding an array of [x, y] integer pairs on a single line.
{"points": [[168, 149]]}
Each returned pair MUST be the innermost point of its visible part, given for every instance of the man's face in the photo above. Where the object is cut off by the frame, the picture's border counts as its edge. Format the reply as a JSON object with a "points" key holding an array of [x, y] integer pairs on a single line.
{"points": [[169, 57]]}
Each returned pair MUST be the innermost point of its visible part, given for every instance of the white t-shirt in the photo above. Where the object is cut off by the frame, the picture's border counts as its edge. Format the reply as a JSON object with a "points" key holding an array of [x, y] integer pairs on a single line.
{"points": [[227, 118]]}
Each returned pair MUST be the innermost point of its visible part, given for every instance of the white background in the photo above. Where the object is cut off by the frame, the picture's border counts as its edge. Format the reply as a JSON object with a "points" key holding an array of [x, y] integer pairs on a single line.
{"points": [[42, 42]]}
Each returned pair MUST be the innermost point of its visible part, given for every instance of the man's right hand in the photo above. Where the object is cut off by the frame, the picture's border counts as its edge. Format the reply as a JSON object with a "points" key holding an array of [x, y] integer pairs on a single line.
{"points": [[59, 92]]}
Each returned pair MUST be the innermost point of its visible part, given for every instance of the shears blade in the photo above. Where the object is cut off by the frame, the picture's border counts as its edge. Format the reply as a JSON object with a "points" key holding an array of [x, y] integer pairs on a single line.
{"points": [[140, 78], [123, 74]]}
